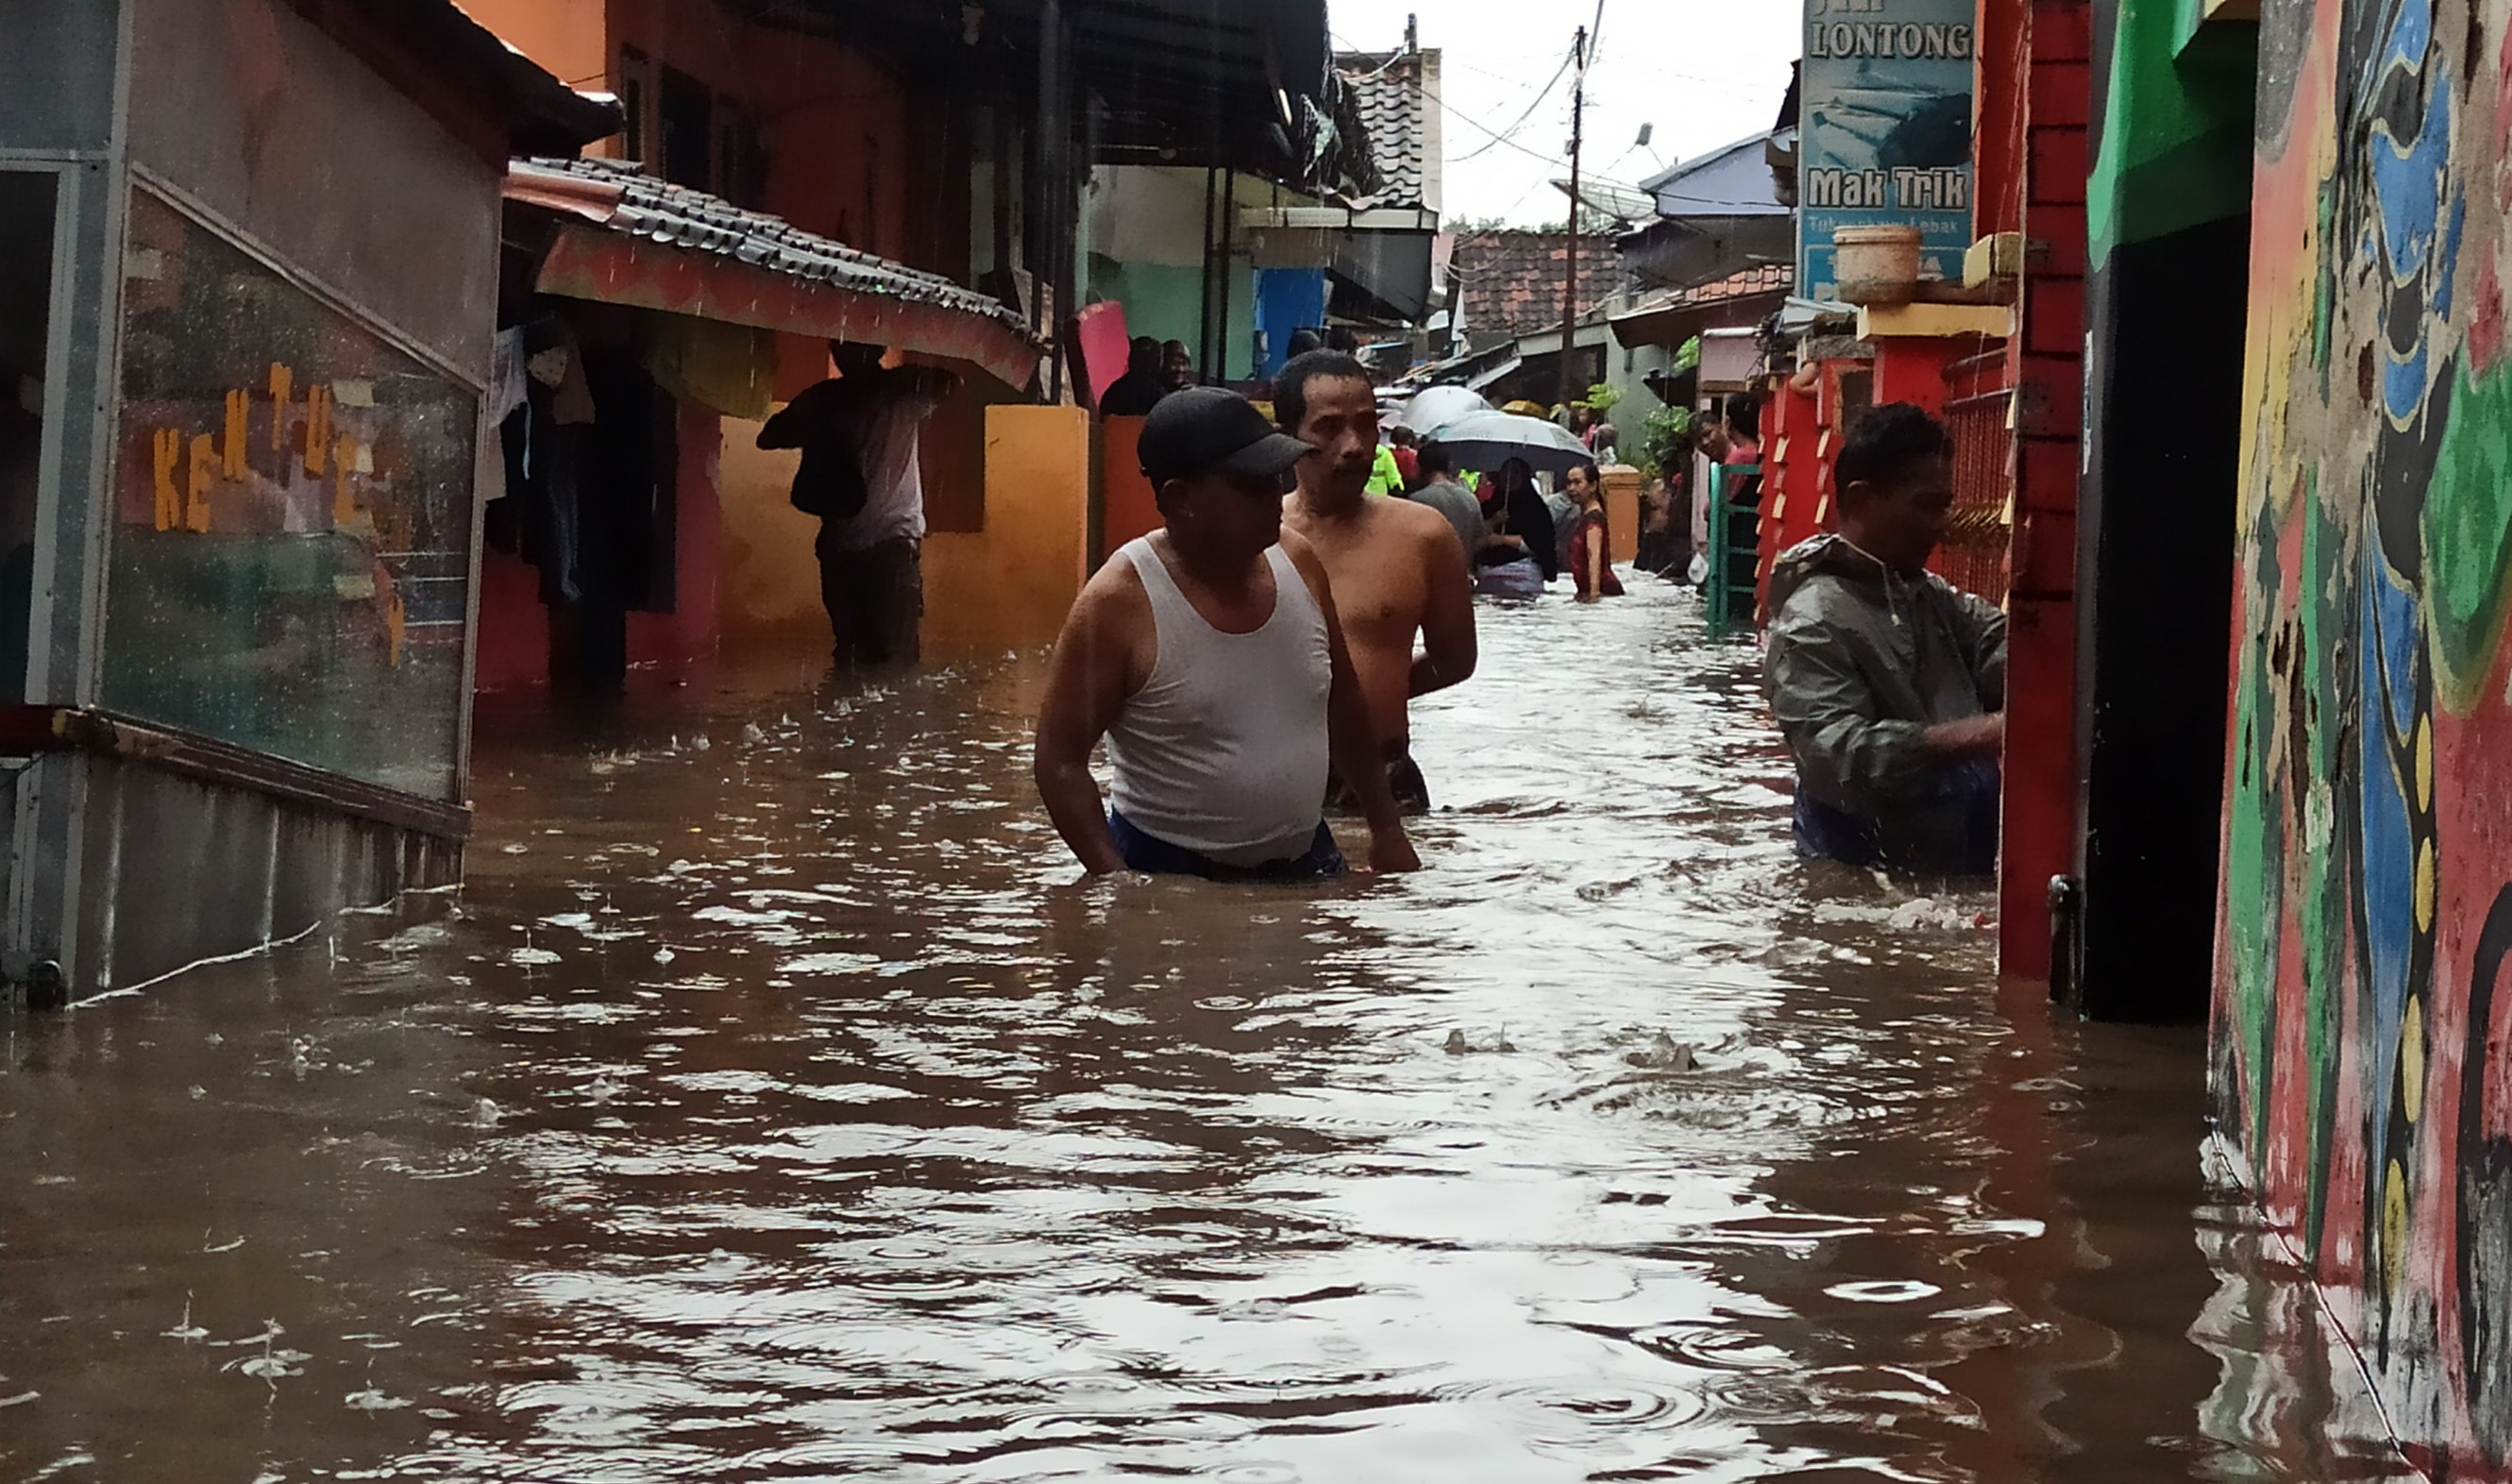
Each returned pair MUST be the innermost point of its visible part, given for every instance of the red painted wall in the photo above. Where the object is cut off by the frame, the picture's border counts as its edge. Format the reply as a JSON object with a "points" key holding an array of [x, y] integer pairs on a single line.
{"points": [[838, 122], [680, 647], [514, 646], [1796, 479]]}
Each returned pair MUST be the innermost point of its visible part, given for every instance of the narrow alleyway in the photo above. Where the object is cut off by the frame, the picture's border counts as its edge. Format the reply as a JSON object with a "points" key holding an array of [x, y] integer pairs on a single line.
{"points": [[766, 1107]]}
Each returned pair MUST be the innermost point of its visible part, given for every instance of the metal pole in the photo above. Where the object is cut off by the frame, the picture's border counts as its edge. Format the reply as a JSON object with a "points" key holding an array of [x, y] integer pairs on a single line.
{"points": [[1054, 147], [1222, 322], [1570, 284], [1204, 346]]}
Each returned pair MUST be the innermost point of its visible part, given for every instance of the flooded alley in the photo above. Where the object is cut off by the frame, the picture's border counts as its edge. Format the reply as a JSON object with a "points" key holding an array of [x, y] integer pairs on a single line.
{"points": [[770, 1104]]}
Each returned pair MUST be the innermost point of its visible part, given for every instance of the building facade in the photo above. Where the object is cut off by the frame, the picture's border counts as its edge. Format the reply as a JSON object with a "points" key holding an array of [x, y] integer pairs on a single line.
{"points": [[243, 453]]}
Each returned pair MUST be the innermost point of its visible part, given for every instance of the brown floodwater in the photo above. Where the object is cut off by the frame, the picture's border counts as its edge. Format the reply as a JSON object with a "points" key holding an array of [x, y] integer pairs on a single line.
{"points": [[771, 1105]]}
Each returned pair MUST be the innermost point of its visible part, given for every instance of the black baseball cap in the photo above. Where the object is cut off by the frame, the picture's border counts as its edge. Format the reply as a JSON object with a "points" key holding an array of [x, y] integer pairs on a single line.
{"points": [[1213, 430]]}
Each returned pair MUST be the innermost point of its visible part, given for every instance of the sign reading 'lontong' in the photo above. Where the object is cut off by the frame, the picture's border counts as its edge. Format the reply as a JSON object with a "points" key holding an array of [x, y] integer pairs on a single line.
{"points": [[1886, 130]]}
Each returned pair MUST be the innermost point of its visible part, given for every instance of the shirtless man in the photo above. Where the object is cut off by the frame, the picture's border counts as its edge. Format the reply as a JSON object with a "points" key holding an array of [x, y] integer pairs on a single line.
{"points": [[1395, 565]]}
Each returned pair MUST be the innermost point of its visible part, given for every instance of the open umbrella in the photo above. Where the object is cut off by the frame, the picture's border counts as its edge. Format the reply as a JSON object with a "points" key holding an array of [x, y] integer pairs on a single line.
{"points": [[1488, 439], [1436, 408]]}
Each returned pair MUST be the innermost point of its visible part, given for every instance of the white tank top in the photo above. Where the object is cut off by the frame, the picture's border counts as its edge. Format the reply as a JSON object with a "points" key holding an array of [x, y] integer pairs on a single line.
{"points": [[1224, 749]]}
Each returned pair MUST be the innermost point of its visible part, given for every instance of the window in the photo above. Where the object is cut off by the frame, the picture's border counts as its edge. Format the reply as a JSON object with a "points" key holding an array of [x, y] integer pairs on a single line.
{"points": [[292, 518], [685, 151], [636, 100], [27, 203], [740, 157]]}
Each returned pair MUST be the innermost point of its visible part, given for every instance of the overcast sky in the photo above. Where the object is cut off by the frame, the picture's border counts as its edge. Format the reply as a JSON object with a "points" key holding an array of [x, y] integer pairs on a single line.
{"points": [[1706, 72]]}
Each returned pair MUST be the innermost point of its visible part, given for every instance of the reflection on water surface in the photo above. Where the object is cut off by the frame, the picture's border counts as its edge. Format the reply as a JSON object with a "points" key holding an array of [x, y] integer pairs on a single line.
{"points": [[770, 1105]]}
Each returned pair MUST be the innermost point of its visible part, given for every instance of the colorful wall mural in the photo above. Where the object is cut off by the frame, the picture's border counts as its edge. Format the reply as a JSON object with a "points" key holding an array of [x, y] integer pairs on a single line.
{"points": [[2364, 1034]]}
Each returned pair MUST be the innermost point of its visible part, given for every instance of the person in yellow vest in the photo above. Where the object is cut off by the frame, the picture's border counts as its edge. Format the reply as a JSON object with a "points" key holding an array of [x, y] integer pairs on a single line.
{"points": [[1387, 476]]}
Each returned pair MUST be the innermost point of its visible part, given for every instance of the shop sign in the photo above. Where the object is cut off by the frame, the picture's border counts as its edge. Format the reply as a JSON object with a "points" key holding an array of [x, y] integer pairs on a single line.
{"points": [[1885, 134]]}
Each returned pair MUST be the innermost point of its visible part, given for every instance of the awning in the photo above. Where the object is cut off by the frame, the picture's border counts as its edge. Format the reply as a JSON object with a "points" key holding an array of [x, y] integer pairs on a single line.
{"points": [[1392, 268], [627, 238], [1501, 372]]}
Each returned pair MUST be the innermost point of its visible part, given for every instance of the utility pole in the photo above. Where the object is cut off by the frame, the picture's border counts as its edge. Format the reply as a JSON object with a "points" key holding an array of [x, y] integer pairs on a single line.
{"points": [[1570, 287]]}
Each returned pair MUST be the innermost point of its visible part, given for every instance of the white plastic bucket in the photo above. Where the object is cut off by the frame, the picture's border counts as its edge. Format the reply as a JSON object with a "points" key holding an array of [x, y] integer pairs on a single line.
{"points": [[1876, 265]]}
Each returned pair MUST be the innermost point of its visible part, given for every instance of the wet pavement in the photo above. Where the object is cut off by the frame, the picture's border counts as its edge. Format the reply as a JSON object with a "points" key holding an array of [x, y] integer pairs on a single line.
{"points": [[770, 1104]]}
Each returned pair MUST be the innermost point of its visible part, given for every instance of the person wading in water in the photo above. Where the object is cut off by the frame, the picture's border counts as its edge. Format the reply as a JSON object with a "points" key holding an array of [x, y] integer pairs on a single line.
{"points": [[1887, 680], [1209, 657], [1396, 567], [859, 475]]}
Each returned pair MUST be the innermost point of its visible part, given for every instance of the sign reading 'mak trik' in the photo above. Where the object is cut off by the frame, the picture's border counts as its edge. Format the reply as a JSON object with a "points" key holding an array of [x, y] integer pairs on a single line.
{"points": [[1885, 138]]}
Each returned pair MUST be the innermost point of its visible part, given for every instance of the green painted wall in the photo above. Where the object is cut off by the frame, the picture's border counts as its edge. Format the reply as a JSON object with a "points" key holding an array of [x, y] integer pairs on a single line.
{"points": [[2176, 127], [1166, 303]]}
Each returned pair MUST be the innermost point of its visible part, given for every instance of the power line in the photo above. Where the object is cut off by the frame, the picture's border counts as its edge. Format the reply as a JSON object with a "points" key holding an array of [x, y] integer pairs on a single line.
{"points": [[1510, 135]]}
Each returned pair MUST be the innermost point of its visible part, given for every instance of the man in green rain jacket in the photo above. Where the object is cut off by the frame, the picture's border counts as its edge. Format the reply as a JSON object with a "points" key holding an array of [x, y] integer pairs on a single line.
{"points": [[1888, 681]]}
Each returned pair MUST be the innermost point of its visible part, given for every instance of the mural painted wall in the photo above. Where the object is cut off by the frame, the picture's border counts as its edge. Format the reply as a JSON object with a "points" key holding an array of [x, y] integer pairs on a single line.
{"points": [[2363, 1028]]}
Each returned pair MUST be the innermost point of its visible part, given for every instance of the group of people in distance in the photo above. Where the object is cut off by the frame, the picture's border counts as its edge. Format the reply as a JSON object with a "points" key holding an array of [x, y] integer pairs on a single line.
{"points": [[1516, 540], [1253, 662], [1153, 371]]}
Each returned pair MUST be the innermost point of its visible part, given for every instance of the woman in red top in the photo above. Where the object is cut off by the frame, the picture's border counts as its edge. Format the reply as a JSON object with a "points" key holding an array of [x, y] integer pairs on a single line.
{"points": [[1591, 546]]}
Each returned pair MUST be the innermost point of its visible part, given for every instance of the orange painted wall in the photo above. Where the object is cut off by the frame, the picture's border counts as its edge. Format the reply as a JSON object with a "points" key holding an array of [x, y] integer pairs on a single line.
{"points": [[1010, 585], [770, 584], [569, 38], [1623, 512], [1005, 586]]}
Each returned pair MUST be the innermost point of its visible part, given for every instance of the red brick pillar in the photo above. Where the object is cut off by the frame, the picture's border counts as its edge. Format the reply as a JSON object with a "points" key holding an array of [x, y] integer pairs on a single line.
{"points": [[2048, 360]]}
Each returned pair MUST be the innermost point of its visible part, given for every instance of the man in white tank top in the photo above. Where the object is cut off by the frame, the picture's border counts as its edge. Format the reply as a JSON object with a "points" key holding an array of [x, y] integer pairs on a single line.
{"points": [[1209, 657]]}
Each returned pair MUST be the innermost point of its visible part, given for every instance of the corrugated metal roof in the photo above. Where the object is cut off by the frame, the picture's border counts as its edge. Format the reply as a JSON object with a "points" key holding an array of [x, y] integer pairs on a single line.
{"points": [[624, 199]]}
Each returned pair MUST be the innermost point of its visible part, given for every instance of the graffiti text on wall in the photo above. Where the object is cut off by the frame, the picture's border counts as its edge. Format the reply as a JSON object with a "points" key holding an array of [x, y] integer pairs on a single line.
{"points": [[291, 561]]}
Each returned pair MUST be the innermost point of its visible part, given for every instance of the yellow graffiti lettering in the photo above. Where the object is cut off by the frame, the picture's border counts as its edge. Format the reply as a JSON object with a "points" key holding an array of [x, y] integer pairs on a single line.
{"points": [[318, 428], [196, 488], [239, 410], [2426, 887], [282, 381], [167, 444]]}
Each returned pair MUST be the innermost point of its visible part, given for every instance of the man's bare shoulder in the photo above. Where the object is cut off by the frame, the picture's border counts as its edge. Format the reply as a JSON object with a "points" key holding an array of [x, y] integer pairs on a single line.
{"points": [[1421, 532], [1302, 551], [1417, 520]]}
